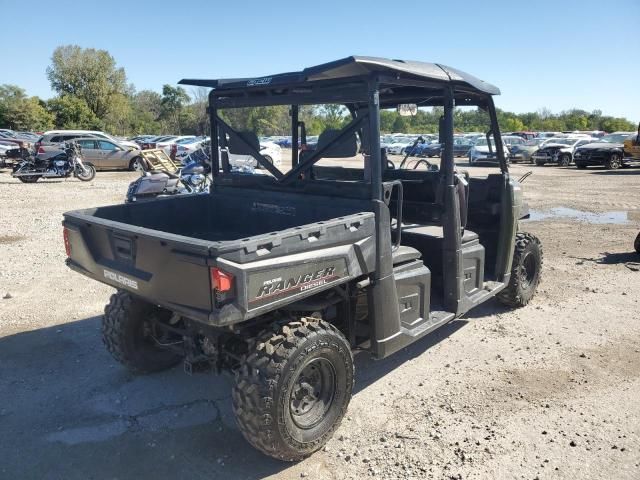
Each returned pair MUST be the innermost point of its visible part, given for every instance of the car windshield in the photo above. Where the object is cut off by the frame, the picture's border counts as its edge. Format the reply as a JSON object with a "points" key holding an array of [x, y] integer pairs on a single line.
{"points": [[513, 140], [482, 142], [562, 141], [534, 142], [187, 140], [614, 138]]}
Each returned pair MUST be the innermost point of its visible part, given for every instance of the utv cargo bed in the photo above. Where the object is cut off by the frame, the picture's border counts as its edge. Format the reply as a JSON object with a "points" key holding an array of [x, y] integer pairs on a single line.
{"points": [[164, 250]]}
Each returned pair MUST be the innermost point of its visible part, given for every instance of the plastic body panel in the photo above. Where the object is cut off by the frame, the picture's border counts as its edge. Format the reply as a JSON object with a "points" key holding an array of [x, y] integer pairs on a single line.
{"points": [[138, 247]]}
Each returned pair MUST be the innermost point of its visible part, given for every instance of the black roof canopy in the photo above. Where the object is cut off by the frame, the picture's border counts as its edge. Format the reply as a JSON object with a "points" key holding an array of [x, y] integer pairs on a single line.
{"points": [[412, 81]]}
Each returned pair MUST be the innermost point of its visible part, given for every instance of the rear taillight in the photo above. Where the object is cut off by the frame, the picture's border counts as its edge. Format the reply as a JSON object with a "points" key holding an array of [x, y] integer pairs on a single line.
{"points": [[67, 244], [221, 281], [41, 150]]}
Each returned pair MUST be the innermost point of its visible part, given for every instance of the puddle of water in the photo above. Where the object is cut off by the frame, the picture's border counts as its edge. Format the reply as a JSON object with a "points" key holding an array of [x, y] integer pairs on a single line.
{"points": [[615, 217]]}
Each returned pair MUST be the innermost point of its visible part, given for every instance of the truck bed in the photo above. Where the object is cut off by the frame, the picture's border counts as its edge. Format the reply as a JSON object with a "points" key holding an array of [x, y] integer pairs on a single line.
{"points": [[279, 248]]}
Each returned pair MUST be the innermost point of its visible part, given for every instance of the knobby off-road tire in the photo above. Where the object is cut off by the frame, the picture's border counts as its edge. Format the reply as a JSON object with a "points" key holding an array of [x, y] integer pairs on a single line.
{"points": [[293, 387], [125, 333], [526, 270], [29, 178]]}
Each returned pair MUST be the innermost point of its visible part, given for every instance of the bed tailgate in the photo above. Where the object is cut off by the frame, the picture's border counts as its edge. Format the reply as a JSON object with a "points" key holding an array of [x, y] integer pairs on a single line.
{"points": [[165, 269]]}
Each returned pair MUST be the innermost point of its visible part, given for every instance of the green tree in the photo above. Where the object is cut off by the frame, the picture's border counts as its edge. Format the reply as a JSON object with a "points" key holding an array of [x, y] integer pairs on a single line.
{"points": [[19, 112], [173, 101], [88, 74], [72, 112]]}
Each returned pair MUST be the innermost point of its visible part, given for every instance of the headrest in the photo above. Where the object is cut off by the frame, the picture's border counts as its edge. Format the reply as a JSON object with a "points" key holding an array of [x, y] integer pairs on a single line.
{"points": [[239, 148], [346, 148]]}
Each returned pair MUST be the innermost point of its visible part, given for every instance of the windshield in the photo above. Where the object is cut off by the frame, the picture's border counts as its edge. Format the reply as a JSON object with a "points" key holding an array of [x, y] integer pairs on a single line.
{"points": [[562, 141], [614, 138], [482, 142]]}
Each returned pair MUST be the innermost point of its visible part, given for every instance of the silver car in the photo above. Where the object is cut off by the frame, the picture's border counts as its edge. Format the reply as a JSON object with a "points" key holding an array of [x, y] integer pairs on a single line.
{"points": [[102, 154]]}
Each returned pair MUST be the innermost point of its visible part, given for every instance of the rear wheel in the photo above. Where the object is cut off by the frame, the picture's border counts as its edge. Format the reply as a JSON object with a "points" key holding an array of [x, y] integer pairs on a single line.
{"points": [[29, 178], [129, 335], [526, 270], [293, 388], [614, 162]]}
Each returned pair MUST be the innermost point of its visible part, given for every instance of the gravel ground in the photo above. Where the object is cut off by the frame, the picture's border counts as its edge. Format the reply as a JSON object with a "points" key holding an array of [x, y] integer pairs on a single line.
{"points": [[547, 391]]}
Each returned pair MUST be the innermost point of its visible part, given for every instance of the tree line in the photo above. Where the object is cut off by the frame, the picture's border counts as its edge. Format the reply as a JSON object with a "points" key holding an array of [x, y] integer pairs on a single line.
{"points": [[93, 93]]}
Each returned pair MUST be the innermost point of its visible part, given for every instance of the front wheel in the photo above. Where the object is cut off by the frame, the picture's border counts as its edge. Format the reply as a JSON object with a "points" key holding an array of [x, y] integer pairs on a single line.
{"points": [[526, 270], [565, 160], [85, 172], [614, 162], [135, 164], [293, 388]]}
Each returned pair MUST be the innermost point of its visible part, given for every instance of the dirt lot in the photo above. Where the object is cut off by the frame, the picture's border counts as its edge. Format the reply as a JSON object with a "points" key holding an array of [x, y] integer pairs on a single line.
{"points": [[548, 391]]}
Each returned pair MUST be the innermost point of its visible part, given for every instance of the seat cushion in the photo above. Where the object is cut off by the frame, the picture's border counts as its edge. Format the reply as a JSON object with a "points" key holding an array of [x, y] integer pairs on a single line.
{"points": [[436, 232], [404, 254]]}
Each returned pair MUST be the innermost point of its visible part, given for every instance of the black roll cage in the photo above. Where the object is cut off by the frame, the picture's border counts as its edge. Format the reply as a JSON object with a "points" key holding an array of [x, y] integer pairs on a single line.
{"points": [[364, 97]]}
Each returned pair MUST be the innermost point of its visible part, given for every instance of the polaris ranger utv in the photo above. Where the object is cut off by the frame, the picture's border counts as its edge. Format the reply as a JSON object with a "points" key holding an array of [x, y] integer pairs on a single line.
{"points": [[277, 277]]}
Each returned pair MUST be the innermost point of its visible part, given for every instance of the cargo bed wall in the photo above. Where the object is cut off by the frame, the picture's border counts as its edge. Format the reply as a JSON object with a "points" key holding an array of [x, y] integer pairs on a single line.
{"points": [[232, 213]]}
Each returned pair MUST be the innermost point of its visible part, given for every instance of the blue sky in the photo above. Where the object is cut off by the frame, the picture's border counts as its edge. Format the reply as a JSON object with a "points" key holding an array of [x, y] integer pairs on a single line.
{"points": [[554, 54]]}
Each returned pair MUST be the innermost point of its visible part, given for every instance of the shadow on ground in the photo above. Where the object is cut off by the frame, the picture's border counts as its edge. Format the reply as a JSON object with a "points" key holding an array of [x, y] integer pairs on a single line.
{"points": [[68, 410]]}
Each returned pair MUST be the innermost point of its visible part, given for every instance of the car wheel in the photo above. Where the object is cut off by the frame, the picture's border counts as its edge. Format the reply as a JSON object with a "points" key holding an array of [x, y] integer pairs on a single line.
{"points": [[565, 160], [636, 244], [134, 164], [614, 162], [539, 163]]}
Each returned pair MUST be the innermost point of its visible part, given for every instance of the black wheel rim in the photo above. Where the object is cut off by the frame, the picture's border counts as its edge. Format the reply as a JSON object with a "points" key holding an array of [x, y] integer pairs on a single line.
{"points": [[528, 270], [313, 393]]}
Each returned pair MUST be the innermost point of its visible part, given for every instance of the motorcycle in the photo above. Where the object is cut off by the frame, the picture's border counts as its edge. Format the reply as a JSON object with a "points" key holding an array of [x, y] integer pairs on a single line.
{"points": [[193, 177], [30, 169]]}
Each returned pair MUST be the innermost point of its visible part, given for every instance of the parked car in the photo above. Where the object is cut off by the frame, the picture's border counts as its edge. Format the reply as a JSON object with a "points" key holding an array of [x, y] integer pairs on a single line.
{"points": [[102, 154], [153, 141], [269, 150], [95, 133], [187, 146], [607, 152], [166, 144], [480, 152], [523, 152], [559, 150]]}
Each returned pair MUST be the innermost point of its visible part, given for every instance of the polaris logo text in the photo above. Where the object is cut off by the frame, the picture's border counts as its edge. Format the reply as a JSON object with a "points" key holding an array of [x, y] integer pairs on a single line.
{"points": [[300, 283], [121, 279]]}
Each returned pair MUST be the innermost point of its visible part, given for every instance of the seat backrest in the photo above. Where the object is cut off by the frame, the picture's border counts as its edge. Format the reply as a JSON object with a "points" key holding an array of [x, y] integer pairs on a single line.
{"points": [[239, 148], [346, 148]]}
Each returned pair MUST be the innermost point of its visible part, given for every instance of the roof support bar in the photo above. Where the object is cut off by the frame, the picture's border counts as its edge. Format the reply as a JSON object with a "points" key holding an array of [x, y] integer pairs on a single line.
{"points": [[272, 169], [350, 129]]}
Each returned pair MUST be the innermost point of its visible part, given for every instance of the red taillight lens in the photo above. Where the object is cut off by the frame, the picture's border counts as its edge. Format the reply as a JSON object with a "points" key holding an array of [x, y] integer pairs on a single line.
{"points": [[41, 150], [221, 281], [67, 244]]}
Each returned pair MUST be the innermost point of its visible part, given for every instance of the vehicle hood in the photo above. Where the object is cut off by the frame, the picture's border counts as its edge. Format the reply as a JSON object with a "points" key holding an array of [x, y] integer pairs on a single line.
{"points": [[552, 147], [483, 149], [601, 146]]}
